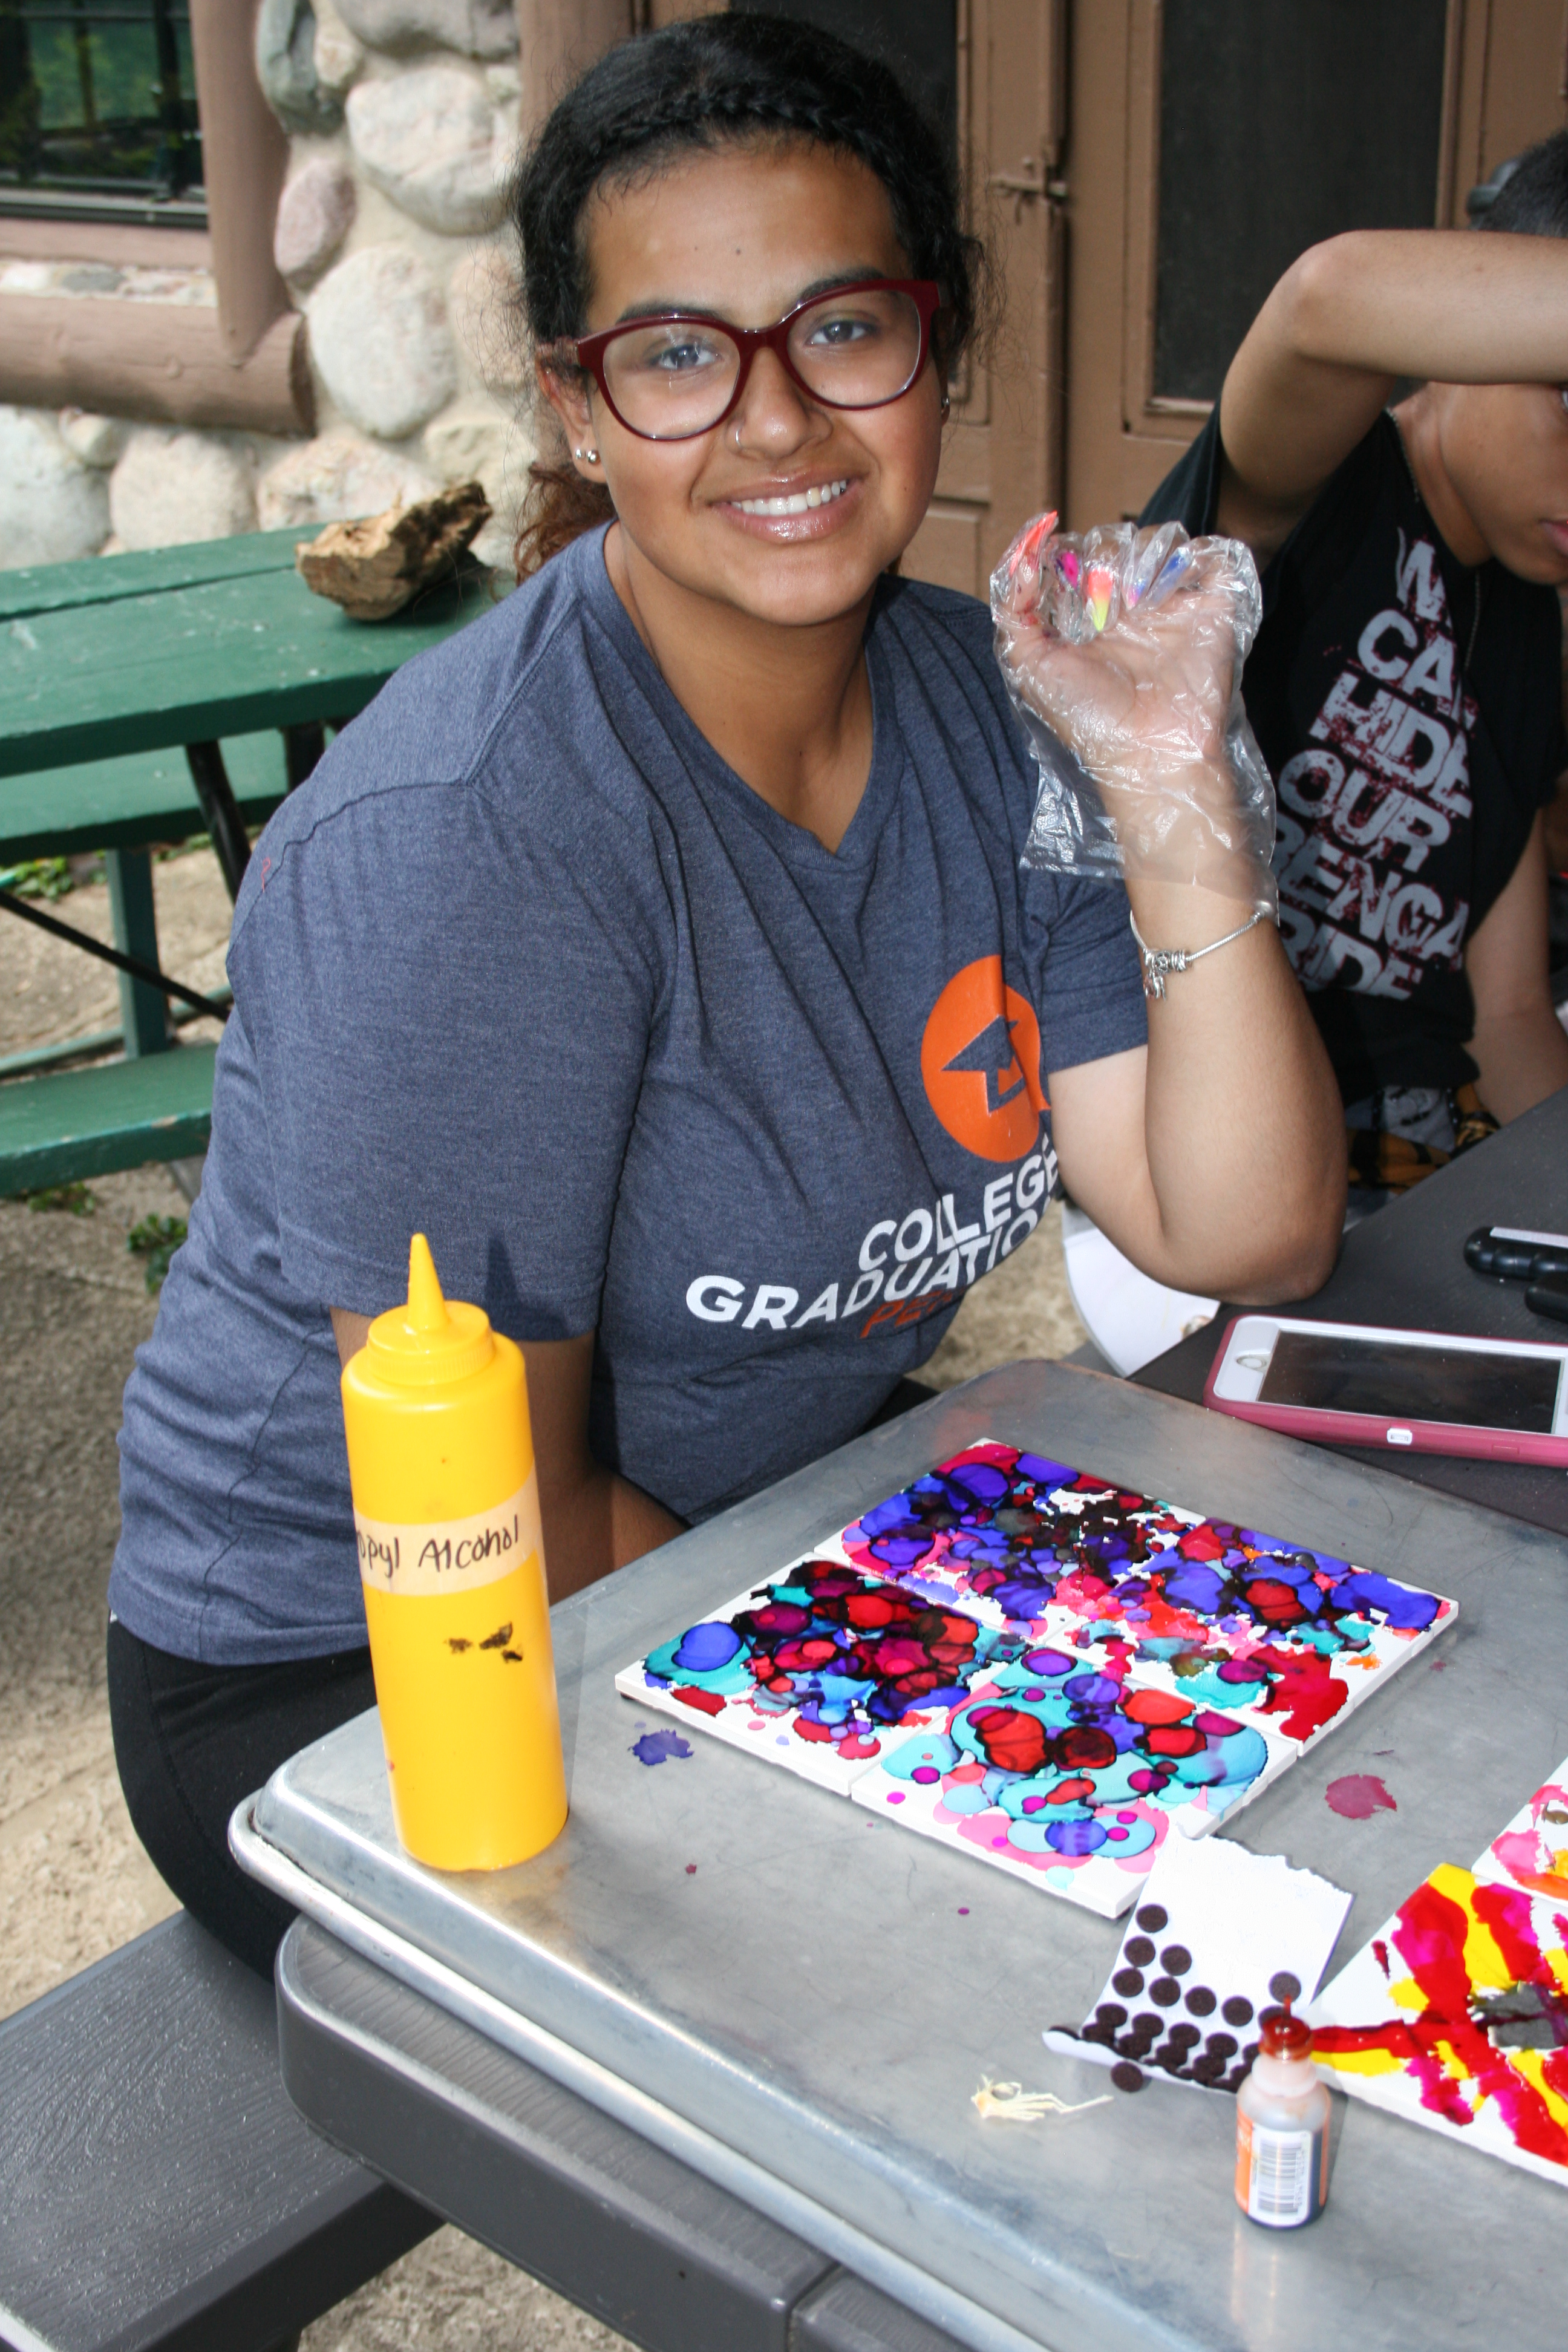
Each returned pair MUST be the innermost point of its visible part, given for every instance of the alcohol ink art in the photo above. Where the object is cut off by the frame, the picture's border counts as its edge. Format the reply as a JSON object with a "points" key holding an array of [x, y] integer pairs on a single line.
{"points": [[1532, 1850], [1456, 2016], [1036, 1665]]}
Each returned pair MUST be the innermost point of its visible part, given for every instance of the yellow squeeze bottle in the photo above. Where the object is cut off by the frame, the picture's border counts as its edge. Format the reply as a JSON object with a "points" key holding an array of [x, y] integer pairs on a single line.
{"points": [[446, 1499]]}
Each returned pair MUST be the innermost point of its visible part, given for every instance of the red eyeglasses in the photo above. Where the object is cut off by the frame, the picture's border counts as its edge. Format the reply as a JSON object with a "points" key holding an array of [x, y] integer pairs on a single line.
{"points": [[672, 377]]}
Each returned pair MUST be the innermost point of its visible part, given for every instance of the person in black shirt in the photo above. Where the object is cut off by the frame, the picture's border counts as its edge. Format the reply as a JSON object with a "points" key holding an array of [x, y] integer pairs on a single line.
{"points": [[1405, 686]]}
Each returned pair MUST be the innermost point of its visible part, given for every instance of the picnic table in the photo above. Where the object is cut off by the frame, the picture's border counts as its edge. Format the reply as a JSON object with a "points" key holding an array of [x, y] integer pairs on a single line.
{"points": [[759, 1990], [144, 698]]}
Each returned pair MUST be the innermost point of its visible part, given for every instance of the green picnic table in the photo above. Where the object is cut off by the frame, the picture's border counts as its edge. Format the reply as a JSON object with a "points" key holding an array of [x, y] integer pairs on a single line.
{"points": [[144, 698]]}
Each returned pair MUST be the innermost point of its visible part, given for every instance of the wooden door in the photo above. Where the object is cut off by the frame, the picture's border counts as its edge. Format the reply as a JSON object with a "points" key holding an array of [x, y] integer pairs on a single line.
{"points": [[1002, 458], [1207, 144], [992, 72]]}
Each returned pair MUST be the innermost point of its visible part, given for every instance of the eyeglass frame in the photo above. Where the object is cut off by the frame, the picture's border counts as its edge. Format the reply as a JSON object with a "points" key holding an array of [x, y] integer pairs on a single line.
{"points": [[587, 351]]}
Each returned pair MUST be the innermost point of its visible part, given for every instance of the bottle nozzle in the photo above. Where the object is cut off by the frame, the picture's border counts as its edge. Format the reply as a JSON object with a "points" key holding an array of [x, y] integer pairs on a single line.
{"points": [[427, 1304]]}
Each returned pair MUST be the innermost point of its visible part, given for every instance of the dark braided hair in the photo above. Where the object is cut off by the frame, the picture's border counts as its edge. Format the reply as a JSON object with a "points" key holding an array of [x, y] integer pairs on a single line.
{"points": [[709, 82]]}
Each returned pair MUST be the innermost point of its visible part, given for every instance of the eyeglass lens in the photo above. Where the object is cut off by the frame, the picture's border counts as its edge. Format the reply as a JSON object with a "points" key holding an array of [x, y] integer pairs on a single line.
{"points": [[852, 350]]}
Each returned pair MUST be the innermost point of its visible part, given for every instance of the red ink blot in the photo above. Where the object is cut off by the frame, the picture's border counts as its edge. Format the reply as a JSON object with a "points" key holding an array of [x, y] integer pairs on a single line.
{"points": [[1358, 1796], [691, 1869]]}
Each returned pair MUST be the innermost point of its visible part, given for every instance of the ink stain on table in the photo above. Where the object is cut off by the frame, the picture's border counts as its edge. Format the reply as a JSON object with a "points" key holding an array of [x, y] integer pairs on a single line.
{"points": [[658, 1746], [1357, 1796]]}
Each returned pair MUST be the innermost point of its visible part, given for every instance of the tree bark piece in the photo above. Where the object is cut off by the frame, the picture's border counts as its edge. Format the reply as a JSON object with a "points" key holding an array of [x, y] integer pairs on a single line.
{"points": [[372, 568]]}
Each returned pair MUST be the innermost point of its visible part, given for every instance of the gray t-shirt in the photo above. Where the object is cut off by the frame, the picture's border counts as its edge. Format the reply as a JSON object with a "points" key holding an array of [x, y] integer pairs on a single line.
{"points": [[527, 967]]}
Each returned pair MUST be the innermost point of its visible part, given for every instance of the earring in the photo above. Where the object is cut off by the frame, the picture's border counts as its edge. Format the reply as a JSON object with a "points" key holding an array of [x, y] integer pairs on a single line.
{"points": [[946, 404], [589, 456]]}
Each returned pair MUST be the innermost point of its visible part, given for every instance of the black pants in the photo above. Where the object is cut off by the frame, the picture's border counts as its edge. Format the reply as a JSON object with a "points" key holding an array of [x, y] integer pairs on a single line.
{"points": [[192, 1740]]}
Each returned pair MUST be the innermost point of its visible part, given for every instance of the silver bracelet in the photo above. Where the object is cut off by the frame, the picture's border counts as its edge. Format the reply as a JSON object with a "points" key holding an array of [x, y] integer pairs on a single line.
{"points": [[1158, 963]]}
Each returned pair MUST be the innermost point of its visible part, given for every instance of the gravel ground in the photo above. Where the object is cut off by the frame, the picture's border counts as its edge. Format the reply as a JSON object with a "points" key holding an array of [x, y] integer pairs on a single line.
{"points": [[74, 1882]]}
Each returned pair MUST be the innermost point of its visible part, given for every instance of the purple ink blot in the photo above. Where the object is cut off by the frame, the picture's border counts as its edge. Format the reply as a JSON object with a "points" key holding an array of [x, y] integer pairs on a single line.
{"points": [[658, 1746], [895, 1796], [1357, 1796], [964, 1910], [702, 1649]]}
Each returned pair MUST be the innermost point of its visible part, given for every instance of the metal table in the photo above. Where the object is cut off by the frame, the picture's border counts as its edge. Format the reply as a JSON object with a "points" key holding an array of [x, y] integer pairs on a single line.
{"points": [[802, 2018], [1404, 1266]]}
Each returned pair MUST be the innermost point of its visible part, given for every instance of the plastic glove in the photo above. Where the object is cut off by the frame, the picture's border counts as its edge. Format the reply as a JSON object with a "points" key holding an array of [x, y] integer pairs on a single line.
{"points": [[1126, 646]]}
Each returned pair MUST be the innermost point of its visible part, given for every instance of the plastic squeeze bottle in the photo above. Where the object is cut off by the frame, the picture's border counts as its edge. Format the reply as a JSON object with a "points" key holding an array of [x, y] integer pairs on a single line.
{"points": [[1282, 2127], [446, 1501]]}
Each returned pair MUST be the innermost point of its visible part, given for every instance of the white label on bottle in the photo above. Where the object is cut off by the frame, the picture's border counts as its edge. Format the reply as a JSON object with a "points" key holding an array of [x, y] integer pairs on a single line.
{"points": [[1517, 1233], [450, 1555], [1280, 2179]]}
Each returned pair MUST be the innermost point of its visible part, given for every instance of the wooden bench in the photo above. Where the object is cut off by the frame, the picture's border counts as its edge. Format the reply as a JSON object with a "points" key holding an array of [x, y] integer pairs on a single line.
{"points": [[158, 2192], [155, 1104]]}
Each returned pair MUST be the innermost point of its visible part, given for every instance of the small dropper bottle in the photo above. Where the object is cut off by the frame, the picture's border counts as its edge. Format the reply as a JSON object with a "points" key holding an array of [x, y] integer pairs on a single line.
{"points": [[1282, 2127]]}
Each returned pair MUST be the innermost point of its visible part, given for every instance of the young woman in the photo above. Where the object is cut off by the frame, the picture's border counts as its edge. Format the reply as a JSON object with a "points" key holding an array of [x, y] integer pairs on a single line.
{"points": [[1406, 684], [660, 947]]}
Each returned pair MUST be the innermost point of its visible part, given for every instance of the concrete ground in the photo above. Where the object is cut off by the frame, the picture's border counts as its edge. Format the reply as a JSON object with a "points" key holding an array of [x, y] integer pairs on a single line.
{"points": [[74, 1882]]}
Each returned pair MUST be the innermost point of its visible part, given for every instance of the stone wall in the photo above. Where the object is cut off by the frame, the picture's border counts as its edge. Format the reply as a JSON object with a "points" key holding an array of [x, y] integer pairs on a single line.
{"points": [[392, 237]]}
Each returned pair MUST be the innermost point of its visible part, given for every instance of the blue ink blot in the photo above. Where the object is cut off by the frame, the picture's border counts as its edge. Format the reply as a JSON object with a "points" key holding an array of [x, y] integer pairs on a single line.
{"points": [[658, 1746]]}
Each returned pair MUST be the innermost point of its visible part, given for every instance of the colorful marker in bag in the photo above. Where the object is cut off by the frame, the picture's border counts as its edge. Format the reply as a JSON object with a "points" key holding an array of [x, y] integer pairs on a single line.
{"points": [[1282, 2127]]}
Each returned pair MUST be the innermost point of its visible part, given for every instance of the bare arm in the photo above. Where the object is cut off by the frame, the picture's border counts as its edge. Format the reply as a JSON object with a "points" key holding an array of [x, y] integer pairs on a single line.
{"points": [[1215, 1159], [594, 1521], [1345, 324], [1519, 1044]]}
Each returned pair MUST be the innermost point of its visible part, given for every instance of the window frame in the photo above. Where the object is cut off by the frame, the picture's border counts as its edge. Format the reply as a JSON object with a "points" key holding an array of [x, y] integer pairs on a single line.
{"points": [[241, 366]]}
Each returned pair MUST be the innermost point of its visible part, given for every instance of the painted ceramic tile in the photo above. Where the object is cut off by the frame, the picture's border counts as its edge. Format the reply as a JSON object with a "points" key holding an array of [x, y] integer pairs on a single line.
{"points": [[1218, 1935], [1456, 2016], [1236, 1619], [822, 1669], [1532, 1852], [1070, 1777]]}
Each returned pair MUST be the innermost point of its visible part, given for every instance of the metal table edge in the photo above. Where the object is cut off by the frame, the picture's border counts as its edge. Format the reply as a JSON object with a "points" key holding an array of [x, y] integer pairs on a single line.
{"points": [[689, 2142]]}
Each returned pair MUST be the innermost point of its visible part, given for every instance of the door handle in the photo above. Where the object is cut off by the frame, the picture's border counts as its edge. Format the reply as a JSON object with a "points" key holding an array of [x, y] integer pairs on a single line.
{"points": [[1029, 186]]}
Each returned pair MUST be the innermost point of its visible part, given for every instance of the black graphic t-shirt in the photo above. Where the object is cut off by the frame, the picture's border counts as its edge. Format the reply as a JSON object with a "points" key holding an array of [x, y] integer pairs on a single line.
{"points": [[1409, 711]]}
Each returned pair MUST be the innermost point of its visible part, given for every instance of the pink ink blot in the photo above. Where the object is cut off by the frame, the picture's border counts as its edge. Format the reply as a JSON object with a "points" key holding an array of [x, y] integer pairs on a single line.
{"points": [[1358, 1796], [691, 1869], [895, 1796]]}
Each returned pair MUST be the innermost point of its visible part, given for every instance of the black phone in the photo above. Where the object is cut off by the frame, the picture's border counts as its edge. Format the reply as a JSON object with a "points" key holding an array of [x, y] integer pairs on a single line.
{"points": [[1510, 1253]]}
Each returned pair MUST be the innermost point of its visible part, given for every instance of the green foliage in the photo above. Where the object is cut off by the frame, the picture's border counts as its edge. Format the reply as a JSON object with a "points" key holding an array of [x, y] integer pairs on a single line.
{"points": [[79, 1200], [40, 877], [155, 1239]]}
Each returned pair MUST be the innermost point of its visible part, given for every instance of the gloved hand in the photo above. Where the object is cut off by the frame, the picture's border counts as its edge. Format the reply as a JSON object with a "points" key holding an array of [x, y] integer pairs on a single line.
{"points": [[1126, 646]]}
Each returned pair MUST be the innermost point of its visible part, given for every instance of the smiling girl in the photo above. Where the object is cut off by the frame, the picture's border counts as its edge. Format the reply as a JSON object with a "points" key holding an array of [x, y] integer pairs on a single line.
{"points": [[660, 947]]}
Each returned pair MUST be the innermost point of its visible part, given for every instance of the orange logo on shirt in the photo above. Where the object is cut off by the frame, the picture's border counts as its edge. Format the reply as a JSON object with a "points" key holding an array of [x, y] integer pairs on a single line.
{"points": [[980, 1058]]}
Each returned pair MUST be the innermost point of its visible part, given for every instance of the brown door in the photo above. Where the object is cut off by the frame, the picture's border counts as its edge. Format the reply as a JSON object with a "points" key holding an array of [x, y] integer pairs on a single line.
{"points": [[1209, 143], [1002, 461]]}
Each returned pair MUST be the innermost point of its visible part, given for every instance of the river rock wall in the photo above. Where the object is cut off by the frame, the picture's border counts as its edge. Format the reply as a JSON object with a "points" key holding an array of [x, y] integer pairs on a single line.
{"points": [[392, 236]]}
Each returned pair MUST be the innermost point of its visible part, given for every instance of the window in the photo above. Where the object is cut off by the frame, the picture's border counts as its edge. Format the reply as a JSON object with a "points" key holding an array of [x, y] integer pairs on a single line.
{"points": [[97, 111]]}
